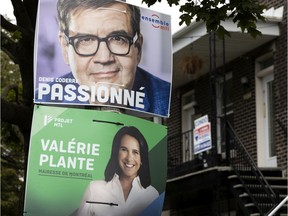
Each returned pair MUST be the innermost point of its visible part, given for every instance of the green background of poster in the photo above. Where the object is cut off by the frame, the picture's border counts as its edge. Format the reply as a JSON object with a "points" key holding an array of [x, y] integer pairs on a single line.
{"points": [[60, 193]]}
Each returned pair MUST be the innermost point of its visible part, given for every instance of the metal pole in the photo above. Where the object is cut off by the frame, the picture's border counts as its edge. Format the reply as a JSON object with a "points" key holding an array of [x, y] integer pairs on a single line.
{"points": [[227, 145], [213, 75]]}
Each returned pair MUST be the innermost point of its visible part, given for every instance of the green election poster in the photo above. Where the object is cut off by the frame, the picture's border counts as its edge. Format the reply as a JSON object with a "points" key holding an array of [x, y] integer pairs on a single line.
{"points": [[88, 162]]}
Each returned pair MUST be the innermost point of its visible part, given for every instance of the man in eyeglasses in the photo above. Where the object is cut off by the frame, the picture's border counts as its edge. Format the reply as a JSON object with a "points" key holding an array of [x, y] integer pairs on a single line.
{"points": [[102, 43]]}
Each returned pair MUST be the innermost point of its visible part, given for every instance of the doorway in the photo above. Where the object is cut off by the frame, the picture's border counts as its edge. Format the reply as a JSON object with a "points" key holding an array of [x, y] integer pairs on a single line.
{"points": [[265, 113]]}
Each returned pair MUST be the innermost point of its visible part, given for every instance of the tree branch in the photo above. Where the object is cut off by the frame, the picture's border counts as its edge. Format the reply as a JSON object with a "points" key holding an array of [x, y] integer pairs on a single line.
{"points": [[9, 47], [21, 15], [245, 14], [17, 31], [16, 114], [8, 25]]}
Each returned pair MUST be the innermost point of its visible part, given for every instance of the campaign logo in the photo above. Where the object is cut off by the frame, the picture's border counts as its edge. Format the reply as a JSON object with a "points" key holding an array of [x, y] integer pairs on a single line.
{"points": [[157, 22], [47, 119], [57, 122]]}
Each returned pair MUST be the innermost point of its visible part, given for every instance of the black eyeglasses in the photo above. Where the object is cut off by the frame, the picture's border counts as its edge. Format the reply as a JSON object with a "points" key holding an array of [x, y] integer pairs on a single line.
{"points": [[88, 45]]}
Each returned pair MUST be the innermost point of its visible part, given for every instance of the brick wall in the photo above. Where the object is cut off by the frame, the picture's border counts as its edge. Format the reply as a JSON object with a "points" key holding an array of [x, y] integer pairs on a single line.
{"points": [[244, 103], [280, 79], [174, 130]]}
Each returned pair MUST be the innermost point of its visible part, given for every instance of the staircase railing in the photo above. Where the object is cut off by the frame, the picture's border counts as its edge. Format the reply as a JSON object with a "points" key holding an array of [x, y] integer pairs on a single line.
{"points": [[242, 163], [274, 211]]}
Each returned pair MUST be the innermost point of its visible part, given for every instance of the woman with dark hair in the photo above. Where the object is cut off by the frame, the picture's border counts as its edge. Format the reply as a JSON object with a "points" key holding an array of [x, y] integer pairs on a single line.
{"points": [[126, 189]]}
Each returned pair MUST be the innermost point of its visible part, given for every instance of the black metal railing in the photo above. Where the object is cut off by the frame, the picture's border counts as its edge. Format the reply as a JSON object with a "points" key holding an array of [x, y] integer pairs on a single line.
{"points": [[181, 158], [247, 172]]}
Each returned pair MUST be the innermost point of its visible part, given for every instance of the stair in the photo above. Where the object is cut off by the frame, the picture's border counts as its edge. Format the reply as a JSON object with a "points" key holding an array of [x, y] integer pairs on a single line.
{"points": [[251, 198], [279, 184]]}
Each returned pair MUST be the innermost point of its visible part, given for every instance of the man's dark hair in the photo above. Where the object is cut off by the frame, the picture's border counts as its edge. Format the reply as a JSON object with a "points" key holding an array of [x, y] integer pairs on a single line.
{"points": [[66, 7], [113, 164]]}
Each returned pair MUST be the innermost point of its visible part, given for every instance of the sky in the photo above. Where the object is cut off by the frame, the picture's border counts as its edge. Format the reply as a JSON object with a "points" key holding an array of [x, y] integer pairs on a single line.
{"points": [[6, 8], [163, 7]]}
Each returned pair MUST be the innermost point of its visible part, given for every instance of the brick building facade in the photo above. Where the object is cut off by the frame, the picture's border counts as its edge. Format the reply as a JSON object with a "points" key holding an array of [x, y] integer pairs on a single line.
{"points": [[251, 79]]}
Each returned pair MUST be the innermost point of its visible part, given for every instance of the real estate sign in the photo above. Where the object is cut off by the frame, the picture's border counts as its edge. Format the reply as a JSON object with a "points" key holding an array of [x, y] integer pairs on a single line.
{"points": [[202, 135]]}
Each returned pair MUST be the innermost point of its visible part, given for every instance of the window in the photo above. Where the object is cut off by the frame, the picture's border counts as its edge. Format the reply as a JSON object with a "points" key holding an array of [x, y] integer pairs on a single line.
{"points": [[188, 117]]}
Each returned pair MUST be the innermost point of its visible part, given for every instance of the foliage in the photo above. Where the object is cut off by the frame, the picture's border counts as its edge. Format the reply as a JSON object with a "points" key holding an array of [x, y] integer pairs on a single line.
{"points": [[245, 13], [11, 86], [12, 154], [12, 169]]}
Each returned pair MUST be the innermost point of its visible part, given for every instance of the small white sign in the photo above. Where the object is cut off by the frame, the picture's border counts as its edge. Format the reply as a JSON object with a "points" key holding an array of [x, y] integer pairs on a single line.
{"points": [[201, 120], [202, 138]]}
